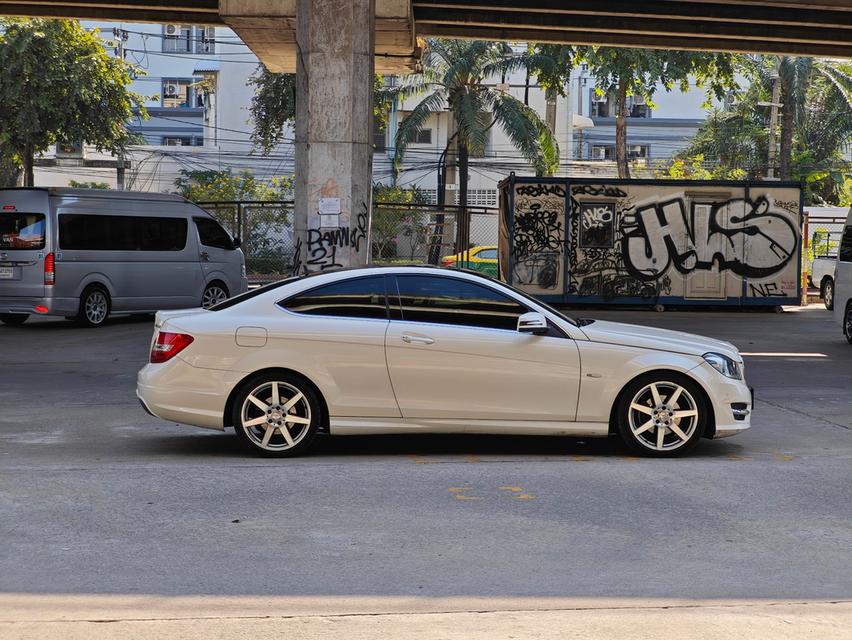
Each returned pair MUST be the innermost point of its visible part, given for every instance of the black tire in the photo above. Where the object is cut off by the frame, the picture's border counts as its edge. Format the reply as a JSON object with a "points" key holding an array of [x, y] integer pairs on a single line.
{"points": [[307, 407], [827, 293], [213, 294], [690, 398], [13, 319], [847, 323], [95, 306]]}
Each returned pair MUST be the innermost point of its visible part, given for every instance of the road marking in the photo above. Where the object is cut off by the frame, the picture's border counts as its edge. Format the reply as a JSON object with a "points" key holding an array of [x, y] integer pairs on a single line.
{"points": [[781, 457], [782, 354], [523, 496], [513, 489]]}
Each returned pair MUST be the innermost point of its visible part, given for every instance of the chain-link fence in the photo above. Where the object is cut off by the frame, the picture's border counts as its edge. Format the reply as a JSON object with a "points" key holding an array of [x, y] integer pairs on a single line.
{"points": [[824, 233], [401, 233]]}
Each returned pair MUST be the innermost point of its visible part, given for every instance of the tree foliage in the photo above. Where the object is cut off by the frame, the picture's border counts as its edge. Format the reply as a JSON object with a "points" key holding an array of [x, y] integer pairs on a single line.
{"points": [[390, 224], [219, 186], [58, 83], [273, 106]]}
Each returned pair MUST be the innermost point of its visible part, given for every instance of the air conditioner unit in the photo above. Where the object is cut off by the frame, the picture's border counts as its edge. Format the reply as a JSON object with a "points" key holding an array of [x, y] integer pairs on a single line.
{"points": [[171, 89], [173, 30]]}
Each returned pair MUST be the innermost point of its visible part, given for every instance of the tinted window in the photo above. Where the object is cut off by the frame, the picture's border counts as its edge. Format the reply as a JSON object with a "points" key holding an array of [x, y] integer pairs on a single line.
{"points": [[21, 231], [846, 245], [213, 235], [487, 254], [121, 233], [359, 298], [454, 301]]}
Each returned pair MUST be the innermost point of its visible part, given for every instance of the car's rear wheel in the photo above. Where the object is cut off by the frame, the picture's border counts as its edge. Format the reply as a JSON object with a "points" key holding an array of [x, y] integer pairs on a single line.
{"points": [[214, 293], [847, 323], [13, 319], [828, 293], [662, 414], [94, 307], [276, 415]]}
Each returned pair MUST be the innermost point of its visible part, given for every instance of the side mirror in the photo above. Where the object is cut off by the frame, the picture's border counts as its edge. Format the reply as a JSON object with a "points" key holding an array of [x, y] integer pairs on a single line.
{"points": [[237, 242], [533, 322]]}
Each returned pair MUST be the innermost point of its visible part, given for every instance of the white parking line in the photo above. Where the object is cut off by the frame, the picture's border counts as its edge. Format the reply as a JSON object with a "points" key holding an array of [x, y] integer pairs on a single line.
{"points": [[781, 354]]}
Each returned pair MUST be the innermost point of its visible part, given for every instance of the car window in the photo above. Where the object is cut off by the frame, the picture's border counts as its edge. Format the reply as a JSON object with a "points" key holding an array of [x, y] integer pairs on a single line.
{"points": [[353, 298], [487, 254], [445, 300], [846, 245], [97, 232], [211, 234], [21, 230]]}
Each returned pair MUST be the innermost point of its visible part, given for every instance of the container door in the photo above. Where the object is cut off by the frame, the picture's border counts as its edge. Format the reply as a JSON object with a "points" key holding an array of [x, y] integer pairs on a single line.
{"points": [[22, 252], [706, 281]]}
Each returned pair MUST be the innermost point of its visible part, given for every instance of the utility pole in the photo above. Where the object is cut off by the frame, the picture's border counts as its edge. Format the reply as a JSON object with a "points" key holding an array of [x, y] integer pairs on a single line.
{"points": [[121, 37], [773, 122]]}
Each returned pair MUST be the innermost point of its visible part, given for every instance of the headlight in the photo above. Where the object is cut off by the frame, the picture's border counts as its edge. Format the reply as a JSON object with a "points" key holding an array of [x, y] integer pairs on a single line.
{"points": [[724, 365]]}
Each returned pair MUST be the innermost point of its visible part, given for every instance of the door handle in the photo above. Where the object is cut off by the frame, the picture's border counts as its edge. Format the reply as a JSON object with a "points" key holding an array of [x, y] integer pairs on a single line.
{"points": [[416, 339], [204, 255]]}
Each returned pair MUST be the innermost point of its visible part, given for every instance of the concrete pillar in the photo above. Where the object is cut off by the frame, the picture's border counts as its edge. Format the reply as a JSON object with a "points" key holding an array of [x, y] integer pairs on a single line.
{"points": [[334, 114]]}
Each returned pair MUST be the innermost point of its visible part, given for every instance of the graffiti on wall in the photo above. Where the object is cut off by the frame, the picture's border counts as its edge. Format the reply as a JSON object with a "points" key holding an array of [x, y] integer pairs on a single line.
{"points": [[741, 235], [596, 224], [320, 249], [538, 235]]}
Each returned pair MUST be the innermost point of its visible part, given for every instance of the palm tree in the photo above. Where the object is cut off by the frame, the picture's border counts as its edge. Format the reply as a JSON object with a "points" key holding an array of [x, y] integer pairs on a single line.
{"points": [[454, 77]]}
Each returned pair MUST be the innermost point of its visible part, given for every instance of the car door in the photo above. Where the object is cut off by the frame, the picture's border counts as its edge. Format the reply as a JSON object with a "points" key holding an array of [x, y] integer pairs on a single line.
{"points": [[218, 255], [454, 353], [336, 336]]}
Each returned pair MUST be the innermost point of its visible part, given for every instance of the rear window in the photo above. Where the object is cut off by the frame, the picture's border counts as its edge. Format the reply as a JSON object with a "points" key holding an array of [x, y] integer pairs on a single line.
{"points": [[121, 233], [21, 230]]}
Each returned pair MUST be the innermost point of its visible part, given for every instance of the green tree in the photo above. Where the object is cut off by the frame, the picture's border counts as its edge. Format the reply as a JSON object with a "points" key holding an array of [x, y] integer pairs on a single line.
{"points": [[59, 84], [391, 223], [624, 72], [88, 185], [456, 74], [273, 106], [219, 186]]}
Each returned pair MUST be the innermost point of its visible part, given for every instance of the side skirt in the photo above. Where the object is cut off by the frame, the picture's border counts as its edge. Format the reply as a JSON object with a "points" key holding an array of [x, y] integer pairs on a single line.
{"points": [[367, 426]]}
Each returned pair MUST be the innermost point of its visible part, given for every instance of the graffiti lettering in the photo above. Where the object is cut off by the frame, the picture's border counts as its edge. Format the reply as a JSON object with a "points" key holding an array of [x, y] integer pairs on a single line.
{"points": [[766, 290], [596, 222], [538, 190], [541, 270], [322, 245], [597, 190], [660, 235]]}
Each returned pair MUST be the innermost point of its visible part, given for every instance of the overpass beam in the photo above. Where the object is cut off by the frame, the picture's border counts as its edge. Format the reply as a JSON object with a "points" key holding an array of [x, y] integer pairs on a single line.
{"points": [[334, 152]]}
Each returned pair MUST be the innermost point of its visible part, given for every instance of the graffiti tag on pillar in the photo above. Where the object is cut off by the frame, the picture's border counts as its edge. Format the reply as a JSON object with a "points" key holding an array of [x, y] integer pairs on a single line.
{"points": [[538, 236], [755, 241], [323, 244]]}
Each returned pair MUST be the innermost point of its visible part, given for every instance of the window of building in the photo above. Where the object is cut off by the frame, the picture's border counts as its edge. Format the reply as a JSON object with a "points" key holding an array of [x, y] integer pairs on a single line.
{"points": [[637, 151], [600, 105], [442, 300], [603, 152], [424, 136], [379, 134], [121, 233], [176, 141], [178, 94], [177, 38], [356, 298], [205, 40]]}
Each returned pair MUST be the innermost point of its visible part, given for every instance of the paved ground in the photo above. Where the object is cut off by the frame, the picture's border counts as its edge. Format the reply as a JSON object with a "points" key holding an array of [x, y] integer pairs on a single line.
{"points": [[109, 514]]}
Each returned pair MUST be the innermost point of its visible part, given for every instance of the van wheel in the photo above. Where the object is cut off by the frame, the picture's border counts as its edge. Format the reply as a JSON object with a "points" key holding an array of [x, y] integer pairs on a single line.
{"points": [[847, 323], [214, 293], [13, 319], [94, 307], [828, 293]]}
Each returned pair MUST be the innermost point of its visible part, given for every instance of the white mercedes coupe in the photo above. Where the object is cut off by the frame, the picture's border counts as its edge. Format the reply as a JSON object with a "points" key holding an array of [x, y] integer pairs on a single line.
{"points": [[429, 350]]}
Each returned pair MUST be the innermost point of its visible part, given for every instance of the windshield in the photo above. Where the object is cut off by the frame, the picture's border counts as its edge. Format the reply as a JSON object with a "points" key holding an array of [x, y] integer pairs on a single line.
{"points": [[21, 230]]}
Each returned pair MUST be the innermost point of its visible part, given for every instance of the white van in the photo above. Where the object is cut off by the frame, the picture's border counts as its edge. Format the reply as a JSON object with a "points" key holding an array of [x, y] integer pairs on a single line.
{"points": [[843, 281], [85, 253]]}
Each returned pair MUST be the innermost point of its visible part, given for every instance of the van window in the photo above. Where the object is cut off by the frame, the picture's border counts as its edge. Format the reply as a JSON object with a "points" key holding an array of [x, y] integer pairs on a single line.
{"points": [[21, 230], [121, 233], [846, 245], [212, 235]]}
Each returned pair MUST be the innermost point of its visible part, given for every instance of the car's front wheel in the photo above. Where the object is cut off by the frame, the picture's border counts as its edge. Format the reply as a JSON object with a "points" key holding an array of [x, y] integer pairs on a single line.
{"points": [[828, 293], [662, 414], [276, 415]]}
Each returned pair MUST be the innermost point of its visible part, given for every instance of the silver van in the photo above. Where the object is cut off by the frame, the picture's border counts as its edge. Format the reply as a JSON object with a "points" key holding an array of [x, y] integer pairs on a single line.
{"points": [[84, 253], [843, 280]]}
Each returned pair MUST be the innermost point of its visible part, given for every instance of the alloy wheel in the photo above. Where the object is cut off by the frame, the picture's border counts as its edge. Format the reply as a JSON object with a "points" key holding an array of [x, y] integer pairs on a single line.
{"points": [[663, 416], [214, 294], [96, 307], [828, 295], [847, 323], [275, 416]]}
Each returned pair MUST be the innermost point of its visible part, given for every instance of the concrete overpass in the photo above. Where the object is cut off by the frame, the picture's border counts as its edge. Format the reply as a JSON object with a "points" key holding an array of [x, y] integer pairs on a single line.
{"points": [[335, 46]]}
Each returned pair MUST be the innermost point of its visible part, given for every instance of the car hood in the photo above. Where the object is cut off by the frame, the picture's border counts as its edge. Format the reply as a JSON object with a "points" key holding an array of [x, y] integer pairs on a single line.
{"points": [[658, 339]]}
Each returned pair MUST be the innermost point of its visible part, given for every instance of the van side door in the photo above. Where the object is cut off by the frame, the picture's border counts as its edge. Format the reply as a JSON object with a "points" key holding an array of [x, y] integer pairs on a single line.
{"points": [[219, 258]]}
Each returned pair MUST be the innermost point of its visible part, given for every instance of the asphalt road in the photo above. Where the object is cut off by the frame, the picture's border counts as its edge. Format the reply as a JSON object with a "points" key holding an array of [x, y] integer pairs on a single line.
{"points": [[101, 505]]}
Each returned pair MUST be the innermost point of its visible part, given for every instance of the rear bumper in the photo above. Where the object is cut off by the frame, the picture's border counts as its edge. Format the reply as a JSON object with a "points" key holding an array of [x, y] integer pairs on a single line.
{"points": [[55, 306]]}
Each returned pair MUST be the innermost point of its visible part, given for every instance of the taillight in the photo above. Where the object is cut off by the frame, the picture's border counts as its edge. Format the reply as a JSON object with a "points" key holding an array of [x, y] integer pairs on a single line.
{"points": [[168, 345], [49, 269]]}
